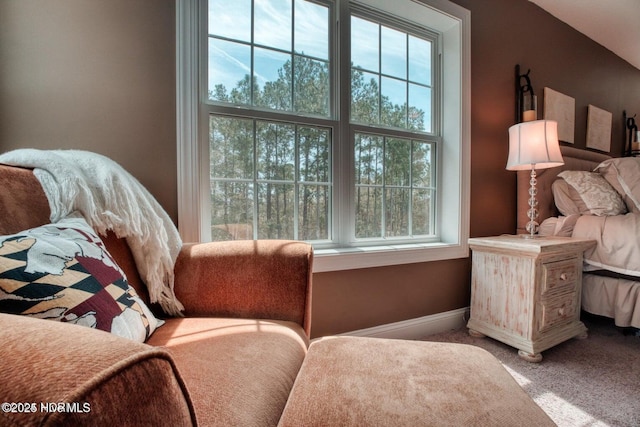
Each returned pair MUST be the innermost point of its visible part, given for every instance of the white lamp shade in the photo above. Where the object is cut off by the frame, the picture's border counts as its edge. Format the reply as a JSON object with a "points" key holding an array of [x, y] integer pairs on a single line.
{"points": [[534, 144]]}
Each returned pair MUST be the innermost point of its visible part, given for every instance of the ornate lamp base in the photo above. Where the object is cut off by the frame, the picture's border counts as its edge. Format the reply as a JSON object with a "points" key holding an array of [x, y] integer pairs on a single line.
{"points": [[532, 213]]}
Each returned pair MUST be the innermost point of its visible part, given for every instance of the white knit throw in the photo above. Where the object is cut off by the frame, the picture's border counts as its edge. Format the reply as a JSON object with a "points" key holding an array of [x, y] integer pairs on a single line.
{"points": [[110, 198]]}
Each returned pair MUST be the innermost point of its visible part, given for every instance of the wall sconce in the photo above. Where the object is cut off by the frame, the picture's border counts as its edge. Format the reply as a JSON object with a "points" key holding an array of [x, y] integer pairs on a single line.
{"points": [[526, 100], [632, 148], [534, 145]]}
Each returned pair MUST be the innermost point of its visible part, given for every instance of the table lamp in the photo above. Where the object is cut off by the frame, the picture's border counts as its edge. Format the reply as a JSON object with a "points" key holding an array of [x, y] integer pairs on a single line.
{"points": [[534, 145]]}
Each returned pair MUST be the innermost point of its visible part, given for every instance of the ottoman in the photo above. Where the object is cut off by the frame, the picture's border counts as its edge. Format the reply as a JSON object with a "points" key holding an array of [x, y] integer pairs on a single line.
{"points": [[352, 381]]}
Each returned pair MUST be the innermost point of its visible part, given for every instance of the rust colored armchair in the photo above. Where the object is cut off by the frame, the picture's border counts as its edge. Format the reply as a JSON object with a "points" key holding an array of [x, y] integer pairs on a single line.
{"points": [[240, 356], [231, 360]]}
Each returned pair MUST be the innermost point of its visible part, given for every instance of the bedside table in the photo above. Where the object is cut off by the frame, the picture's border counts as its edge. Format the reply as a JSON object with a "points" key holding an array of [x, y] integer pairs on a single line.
{"points": [[526, 292]]}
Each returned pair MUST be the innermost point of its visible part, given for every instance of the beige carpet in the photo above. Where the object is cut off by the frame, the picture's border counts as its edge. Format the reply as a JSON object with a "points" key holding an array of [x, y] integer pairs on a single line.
{"points": [[593, 382]]}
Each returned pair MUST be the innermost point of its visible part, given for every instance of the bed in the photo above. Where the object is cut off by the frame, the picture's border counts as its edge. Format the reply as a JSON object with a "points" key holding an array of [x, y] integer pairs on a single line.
{"points": [[597, 197]]}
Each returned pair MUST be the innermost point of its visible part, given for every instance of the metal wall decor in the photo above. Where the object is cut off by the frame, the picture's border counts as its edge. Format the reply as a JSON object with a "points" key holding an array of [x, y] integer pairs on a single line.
{"points": [[526, 100], [632, 136]]}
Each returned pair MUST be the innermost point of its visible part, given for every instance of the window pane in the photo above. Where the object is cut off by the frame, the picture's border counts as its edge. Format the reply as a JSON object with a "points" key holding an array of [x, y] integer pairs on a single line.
{"points": [[291, 177], [231, 211], [276, 211], [364, 44], [397, 212], [272, 24], [230, 19], [313, 212], [394, 102], [419, 60], [421, 170], [276, 151], [393, 186], [397, 165], [311, 29], [364, 97], [229, 71], [313, 149], [267, 79], [274, 89], [421, 212], [420, 108], [368, 212], [311, 83], [404, 77], [369, 159], [314, 200], [231, 148], [394, 53]]}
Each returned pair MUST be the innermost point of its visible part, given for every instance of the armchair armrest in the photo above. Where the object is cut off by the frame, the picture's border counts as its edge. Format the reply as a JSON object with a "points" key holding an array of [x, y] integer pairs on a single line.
{"points": [[55, 373], [260, 279]]}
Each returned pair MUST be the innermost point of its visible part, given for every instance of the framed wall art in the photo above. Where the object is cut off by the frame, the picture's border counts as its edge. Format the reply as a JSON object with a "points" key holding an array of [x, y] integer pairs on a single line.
{"points": [[599, 129], [562, 109]]}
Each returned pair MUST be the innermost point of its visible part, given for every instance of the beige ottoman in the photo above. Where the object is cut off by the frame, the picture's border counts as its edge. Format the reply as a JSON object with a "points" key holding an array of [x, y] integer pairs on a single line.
{"points": [[349, 381]]}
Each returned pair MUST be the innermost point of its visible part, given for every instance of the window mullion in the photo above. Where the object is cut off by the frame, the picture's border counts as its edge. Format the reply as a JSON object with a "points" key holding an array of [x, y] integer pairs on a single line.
{"points": [[343, 217], [296, 185], [383, 210], [256, 191], [410, 188], [380, 75], [408, 82], [293, 56]]}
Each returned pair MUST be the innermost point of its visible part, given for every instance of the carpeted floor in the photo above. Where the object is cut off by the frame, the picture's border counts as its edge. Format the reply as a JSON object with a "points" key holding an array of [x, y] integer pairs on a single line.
{"points": [[593, 382]]}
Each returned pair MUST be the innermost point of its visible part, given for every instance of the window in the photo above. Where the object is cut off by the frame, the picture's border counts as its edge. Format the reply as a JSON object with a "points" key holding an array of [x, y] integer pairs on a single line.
{"points": [[270, 119], [341, 123]]}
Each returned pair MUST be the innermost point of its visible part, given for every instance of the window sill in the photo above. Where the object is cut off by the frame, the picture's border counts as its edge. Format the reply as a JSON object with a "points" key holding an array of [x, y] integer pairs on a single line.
{"points": [[379, 256]]}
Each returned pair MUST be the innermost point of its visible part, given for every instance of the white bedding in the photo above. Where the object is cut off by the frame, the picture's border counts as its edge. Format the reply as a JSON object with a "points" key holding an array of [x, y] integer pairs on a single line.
{"points": [[617, 234], [618, 242], [612, 297], [617, 250]]}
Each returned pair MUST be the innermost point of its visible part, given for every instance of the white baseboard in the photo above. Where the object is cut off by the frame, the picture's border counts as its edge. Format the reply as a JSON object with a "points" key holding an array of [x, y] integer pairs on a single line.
{"points": [[420, 327]]}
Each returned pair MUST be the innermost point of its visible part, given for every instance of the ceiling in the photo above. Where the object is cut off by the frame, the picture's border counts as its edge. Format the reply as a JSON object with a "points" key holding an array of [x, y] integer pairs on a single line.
{"points": [[613, 24]]}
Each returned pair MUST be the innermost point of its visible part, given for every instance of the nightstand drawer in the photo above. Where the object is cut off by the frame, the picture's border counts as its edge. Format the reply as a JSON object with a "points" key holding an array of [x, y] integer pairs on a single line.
{"points": [[557, 310], [560, 276]]}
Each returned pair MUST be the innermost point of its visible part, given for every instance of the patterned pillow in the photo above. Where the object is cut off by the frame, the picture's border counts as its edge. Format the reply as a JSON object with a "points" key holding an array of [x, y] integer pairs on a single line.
{"points": [[624, 175], [598, 195], [63, 272]]}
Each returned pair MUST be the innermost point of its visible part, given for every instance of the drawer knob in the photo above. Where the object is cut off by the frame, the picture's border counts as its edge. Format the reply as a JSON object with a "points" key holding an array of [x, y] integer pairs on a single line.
{"points": [[563, 276], [561, 311]]}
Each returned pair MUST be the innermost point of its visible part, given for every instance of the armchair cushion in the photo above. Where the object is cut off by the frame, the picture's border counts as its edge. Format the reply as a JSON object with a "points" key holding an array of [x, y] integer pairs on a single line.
{"points": [[239, 371], [63, 272]]}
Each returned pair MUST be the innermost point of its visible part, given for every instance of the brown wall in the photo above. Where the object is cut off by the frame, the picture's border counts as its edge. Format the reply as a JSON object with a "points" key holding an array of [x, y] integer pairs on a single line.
{"points": [[504, 33], [99, 75], [96, 75]]}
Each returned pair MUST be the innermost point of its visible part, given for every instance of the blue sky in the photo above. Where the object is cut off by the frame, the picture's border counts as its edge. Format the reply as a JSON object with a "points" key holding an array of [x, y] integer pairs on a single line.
{"points": [[375, 48], [229, 62]]}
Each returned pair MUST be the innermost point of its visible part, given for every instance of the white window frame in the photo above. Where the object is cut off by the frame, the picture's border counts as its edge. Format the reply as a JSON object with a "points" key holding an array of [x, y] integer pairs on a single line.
{"points": [[453, 23]]}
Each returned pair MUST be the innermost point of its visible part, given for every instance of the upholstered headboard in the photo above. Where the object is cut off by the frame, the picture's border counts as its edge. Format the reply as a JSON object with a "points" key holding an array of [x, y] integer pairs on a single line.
{"points": [[574, 159]]}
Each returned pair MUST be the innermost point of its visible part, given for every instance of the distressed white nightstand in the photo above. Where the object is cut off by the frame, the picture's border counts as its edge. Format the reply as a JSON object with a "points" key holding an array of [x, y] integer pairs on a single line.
{"points": [[526, 292]]}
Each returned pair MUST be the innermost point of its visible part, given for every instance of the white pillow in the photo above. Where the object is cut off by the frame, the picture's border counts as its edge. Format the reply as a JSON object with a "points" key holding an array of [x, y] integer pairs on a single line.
{"points": [[567, 199], [600, 198], [624, 175], [558, 226]]}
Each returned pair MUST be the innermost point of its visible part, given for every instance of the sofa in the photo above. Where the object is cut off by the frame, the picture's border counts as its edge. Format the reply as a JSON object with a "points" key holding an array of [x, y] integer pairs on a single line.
{"points": [[240, 354]]}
